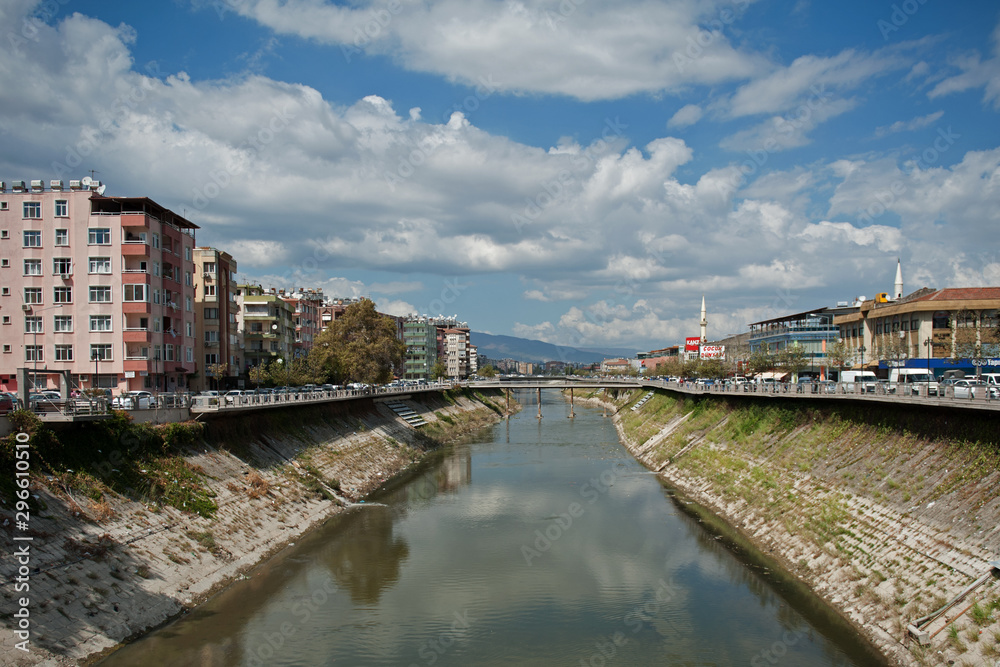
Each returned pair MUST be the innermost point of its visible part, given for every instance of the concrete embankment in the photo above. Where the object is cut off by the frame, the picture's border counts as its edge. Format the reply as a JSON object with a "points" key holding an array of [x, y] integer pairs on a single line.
{"points": [[887, 513], [107, 566]]}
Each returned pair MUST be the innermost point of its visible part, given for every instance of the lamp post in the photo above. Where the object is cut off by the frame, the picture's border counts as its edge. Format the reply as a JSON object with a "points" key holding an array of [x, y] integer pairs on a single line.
{"points": [[929, 344], [95, 356], [861, 350]]}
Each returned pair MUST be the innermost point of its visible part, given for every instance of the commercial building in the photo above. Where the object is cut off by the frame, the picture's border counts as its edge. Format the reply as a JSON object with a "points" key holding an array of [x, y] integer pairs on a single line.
{"points": [[420, 337], [101, 287], [812, 331], [217, 346]]}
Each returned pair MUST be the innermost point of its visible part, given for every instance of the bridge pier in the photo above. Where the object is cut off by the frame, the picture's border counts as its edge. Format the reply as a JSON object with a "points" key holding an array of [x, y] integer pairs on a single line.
{"points": [[572, 415], [539, 390]]}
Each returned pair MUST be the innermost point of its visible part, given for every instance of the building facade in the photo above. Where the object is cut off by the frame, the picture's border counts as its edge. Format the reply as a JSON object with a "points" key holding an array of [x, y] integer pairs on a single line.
{"points": [[420, 337], [101, 287], [217, 341], [813, 331], [266, 323]]}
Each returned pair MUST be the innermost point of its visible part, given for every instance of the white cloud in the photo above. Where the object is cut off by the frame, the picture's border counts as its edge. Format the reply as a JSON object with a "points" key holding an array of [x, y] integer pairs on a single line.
{"points": [[975, 73], [909, 125], [687, 115], [590, 51]]}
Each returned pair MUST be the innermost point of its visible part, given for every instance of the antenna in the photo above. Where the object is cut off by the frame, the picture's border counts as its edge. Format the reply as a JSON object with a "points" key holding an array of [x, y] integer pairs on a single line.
{"points": [[92, 172]]}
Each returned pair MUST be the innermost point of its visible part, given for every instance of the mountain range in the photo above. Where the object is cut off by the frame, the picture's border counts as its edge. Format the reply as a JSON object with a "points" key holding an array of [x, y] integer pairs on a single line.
{"points": [[525, 349]]}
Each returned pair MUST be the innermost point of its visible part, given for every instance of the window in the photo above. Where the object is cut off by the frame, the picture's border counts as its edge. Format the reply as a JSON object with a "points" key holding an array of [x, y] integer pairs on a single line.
{"points": [[156, 240], [168, 352], [6, 319], [100, 265], [32, 295], [135, 293], [62, 295], [187, 278], [33, 324], [6, 349], [3, 206], [189, 329], [100, 351], [63, 324], [64, 353], [33, 210], [211, 336], [211, 359], [190, 354], [4, 263], [209, 290], [100, 323], [99, 236], [33, 353], [62, 266], [32, 239], [187, 256], [5, 291], [32, 267], [156, 270], [100, 294], [4, 234], [188, 304], [62, 237], [156, 296], [62, 208], [211, 313], [210, 267]]}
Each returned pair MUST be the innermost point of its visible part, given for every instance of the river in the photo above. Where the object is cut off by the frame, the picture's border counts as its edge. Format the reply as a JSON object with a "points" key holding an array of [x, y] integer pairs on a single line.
{"points": [[538, 542]]}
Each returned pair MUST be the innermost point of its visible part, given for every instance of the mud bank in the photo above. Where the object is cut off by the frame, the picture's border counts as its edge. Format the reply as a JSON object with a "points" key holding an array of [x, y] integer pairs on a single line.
{"points": [[104, 572], [884, 515]]}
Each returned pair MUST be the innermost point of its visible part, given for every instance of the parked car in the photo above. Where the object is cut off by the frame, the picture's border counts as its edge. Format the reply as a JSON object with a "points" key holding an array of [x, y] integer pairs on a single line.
{"points": [[8, 403], [134, 400], [974, 389], [237, 397]]}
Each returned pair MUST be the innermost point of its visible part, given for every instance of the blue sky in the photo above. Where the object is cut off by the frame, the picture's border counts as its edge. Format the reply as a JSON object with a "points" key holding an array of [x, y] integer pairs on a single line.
{"points": [[574, 171]]}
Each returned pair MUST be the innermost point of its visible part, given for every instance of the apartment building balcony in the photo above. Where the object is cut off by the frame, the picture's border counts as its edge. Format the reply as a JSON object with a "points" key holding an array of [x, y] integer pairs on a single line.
{"points": [[210, 344], [138, 364], [136, 308], [136, 278], [137, 335], [135, 248], [134, 220]]}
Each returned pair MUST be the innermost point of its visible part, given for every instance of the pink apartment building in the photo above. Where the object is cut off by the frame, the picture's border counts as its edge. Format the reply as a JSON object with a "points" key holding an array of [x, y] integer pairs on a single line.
{"points": [[98, 286]]}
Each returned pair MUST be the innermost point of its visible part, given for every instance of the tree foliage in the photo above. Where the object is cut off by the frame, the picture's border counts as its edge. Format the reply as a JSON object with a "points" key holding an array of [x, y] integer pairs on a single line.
{"points": [[359, 346], [487, 372]]}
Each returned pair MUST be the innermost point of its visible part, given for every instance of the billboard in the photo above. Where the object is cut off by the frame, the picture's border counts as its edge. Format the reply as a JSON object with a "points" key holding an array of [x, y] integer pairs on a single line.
{"points": [[713, 351], [692, 344]]}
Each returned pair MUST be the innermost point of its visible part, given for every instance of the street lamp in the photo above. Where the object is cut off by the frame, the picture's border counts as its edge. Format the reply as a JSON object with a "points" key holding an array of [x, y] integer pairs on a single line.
{"points": [[862, 351], [929, 344]]}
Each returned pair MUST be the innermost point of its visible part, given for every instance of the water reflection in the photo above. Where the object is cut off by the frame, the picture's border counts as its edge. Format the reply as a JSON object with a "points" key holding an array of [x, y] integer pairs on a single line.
{"points": [[544, 544]]}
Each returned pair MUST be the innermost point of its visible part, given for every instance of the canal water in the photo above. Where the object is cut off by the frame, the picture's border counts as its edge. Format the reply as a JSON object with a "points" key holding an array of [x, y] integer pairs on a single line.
{"points": [[539, 542]]}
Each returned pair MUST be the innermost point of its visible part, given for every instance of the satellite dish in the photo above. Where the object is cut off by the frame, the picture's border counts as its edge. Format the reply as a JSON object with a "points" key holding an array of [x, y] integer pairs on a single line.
{"points": [[86, 181], [101, 189]]}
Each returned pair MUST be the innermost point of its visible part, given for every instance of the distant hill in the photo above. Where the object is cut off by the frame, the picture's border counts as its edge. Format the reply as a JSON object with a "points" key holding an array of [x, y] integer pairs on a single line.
{"points": [[524, 349]]}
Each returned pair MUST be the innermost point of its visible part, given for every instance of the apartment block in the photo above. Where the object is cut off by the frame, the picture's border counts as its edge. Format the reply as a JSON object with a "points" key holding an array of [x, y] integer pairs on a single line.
{"points": [[266, 323], [307, 305], [217, 343], [99, 286]]}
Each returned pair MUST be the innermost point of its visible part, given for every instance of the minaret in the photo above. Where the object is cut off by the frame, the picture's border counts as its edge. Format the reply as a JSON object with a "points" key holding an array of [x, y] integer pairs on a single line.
{"points": [[899, 280], [704, 321]]}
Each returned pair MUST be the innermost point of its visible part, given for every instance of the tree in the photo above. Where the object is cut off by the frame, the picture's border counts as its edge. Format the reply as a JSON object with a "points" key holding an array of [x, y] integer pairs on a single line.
{"points": [[359, 346], [488, 372], [439, 371], [793, 359], [761, 360], [840, 354], [216, 371], [259, 375]]}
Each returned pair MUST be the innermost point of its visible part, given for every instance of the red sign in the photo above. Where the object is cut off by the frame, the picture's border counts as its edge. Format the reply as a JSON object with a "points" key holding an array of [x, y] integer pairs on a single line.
{"points": [[692, 344]]}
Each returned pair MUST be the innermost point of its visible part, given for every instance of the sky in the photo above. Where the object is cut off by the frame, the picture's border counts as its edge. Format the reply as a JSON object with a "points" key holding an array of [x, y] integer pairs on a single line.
{"points": [[572, 171]]}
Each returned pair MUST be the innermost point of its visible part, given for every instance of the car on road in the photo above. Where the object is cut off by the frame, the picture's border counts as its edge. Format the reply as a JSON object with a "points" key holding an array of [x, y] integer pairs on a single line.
{"points": [[134, 400], [974, 389]]}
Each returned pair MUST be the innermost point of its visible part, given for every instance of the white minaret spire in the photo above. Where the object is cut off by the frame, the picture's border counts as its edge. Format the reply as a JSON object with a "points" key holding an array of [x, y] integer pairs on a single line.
{"points": [[704, 321], [899, 280]]}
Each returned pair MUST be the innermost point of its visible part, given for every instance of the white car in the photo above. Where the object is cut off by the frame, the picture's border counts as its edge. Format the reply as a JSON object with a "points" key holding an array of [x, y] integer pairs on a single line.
{"points": [[973, 389], [134, 400]]}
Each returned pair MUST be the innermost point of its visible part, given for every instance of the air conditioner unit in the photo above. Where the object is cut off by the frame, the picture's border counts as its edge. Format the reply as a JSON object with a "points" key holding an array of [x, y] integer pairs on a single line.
{"points": [[75, 185], [37, 186], [26, 307], [56, 185], [65, 276], [3, 187], [17, 186]]}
